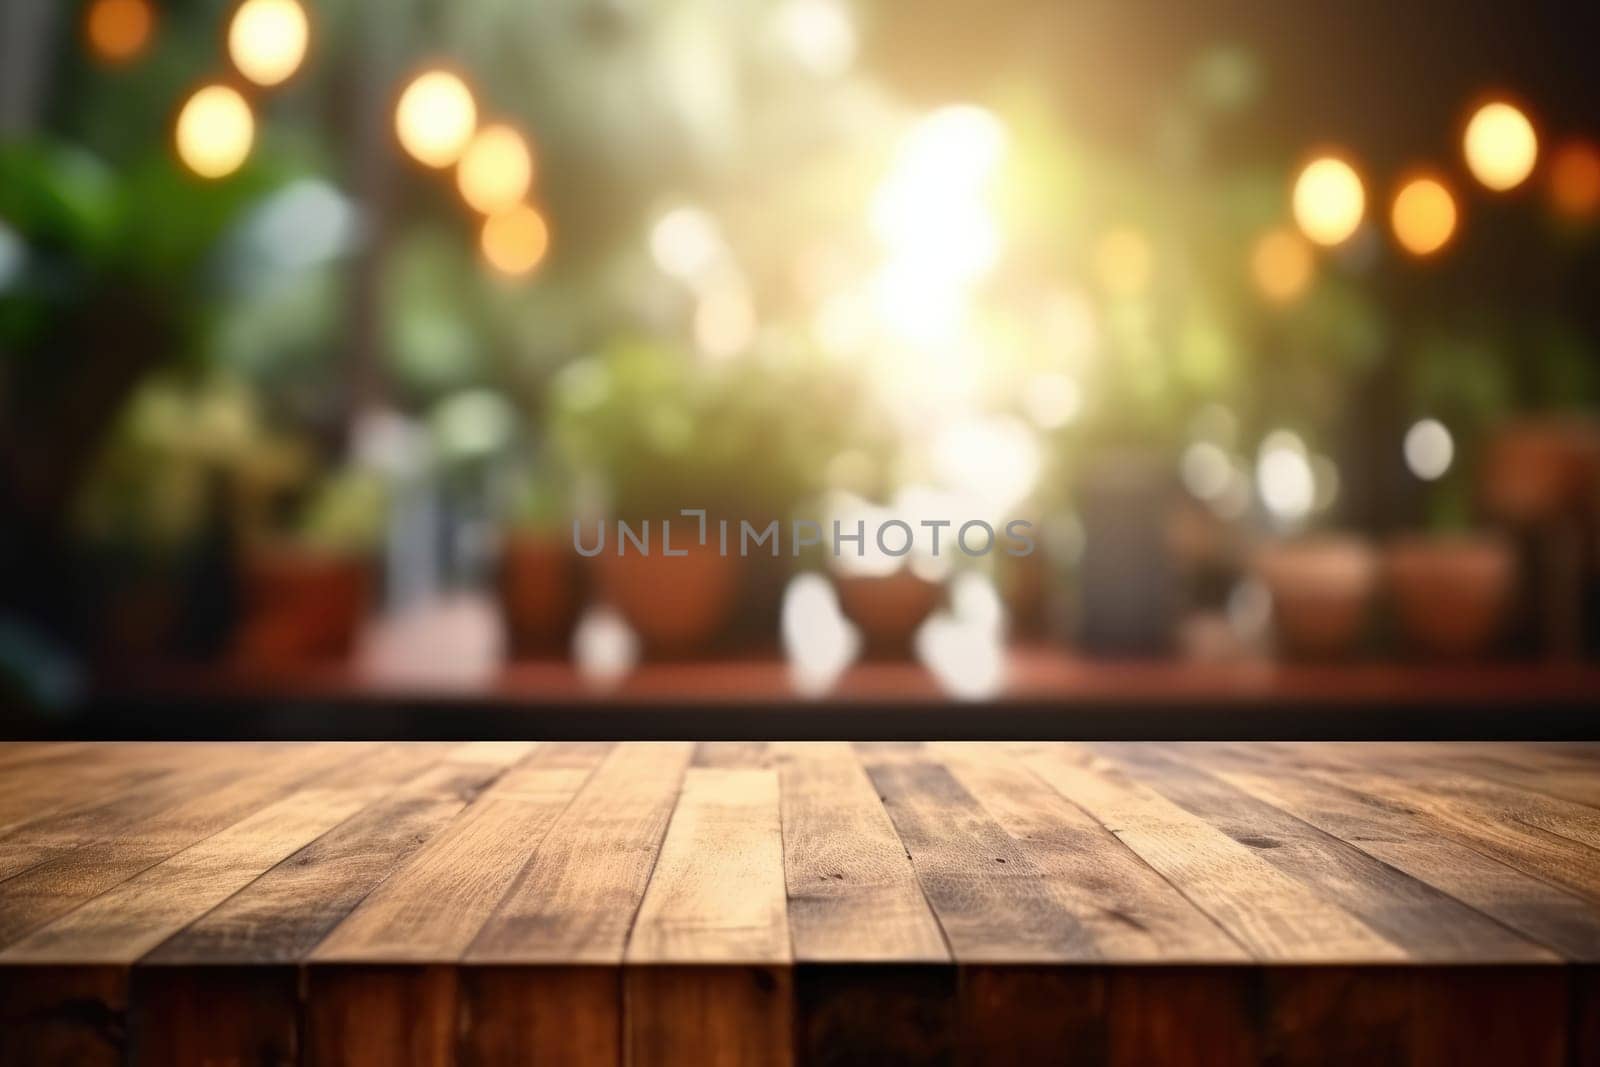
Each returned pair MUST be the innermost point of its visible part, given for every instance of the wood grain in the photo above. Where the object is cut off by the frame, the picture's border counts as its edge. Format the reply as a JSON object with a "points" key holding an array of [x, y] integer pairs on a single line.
{"points": [[124, 923], [1271, 914], [717, 894], [282, 915], [576, 899], [1422, 920], [1128, 909], [993, 904], [430, 909], [853, 893]]}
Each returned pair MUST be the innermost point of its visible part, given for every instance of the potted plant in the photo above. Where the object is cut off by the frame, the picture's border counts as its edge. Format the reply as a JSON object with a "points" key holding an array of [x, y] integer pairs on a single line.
{"points": [[660, 433], [308, 592], [541, 584]]}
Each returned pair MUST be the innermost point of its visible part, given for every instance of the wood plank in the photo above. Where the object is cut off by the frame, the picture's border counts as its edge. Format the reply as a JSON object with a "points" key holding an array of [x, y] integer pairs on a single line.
{"points": [[709, 1016], [1545, 913], [215, 1015], [103, 858], [540, 1014], [902, 1014], [1129, 910], [716, 898], [1425, 922], [1271, 914], [853, 894], [430, 910], [52, 830], [71, 779], [1184, 1017], [124, 923], [280, 917], [1033, 1014], [378, 1016], [576, 899], [67, 1016], [1458, 812], [717, 894], [992, 903]]}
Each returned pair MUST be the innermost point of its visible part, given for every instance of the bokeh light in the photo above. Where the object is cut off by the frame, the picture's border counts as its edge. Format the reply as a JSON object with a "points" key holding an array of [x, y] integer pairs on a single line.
{"points": [[435, 118], [1329, 200], [267, 39], [1424, 216], [1051, 400], [1575, 179], [496, 170], [819, 34], [1501, 146], [514, 241], [1124, 262], [118, 31], [1284, 477], [215, 131], [686, 244], [1429, 449], [1282, 265]]}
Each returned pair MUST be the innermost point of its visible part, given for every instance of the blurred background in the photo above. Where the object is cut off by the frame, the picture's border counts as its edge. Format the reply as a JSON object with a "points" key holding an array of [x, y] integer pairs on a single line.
{"points": [[323, 321]]}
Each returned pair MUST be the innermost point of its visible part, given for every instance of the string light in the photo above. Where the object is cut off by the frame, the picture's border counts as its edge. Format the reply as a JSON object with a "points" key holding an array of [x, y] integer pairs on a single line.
{"points": [[118, 31], [435, 117], [496, 170], [1501, 146], [1282, 265], [267, 40], [1575, 179], [1329, 200], [515, 241], [215, 131], [1423, 216]]}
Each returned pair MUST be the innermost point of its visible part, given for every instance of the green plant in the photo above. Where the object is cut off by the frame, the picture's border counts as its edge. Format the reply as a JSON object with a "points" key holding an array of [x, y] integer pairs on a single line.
{"points": [[663, 433], [344, 515]]}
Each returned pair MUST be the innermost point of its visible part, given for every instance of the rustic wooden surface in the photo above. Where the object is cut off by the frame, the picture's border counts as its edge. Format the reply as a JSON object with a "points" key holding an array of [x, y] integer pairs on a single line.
{"points": [[804, 902]]}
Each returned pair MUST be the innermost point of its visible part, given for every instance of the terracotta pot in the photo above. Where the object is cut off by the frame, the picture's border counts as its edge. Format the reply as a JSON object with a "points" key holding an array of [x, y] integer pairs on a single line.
{"points": [[1536, 470], [1451, 595], [301, 605], [539, 592], [676, 604], [888, 609], [1322, 593]]}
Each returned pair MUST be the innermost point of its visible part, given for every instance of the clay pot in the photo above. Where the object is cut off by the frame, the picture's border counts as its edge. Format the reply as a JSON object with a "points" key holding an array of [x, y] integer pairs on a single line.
{"points": [[887, 609], [1536, 470], [539, 593], [301, 605], [1451, 595], [1322, 593], [677, 605]]}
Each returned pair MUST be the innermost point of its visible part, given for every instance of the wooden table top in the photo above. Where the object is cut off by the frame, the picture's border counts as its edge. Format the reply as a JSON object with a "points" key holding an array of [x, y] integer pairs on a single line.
{"points": [[755, 853]]}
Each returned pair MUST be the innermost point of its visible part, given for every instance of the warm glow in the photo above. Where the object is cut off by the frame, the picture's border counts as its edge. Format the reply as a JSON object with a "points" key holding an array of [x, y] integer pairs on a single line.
{"points": [[215, 131], [1429, 449], [1328, 201], [1282, 265], [1501, 146], [514, 242], [1424, 216], [118, 30], [435, 118], [267, 39], [1123, 262], [496, 170], [1575, 179], [933, 217]]}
